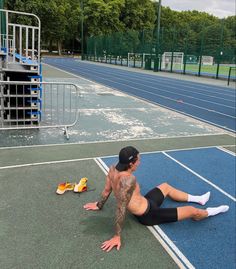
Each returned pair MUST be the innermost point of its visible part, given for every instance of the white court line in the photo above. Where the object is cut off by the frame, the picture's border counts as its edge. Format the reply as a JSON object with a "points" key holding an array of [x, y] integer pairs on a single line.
{"points": [[183, 149], [98, 162], [226, 150], [119, 140], [169, 246], [166, 247], [173, 246], [44, 163], [201, 177], [90, 158]]}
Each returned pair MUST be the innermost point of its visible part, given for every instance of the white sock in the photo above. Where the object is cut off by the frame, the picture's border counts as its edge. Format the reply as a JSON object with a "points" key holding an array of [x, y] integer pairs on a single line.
{"points": [[212, 211], [202, 199]]}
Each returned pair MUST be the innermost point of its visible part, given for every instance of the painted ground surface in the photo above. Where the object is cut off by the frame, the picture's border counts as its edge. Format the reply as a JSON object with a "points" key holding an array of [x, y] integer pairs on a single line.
{"points": [[39, 229]]}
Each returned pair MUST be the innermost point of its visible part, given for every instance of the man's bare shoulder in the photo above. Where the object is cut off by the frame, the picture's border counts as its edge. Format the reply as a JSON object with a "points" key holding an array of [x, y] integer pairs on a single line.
{"points": [[112, 168], [111, 171]]}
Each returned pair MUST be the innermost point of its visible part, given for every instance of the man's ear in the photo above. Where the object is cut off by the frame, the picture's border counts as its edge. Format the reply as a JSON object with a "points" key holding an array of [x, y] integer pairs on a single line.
{"points": [[131, 165]]}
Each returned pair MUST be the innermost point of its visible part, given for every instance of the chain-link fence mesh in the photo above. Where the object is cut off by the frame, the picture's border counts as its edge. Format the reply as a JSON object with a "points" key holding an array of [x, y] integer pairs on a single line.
{"points": [[211, 52]]}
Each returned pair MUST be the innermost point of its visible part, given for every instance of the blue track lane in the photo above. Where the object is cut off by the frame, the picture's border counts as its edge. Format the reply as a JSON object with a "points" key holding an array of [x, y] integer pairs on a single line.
{"points": [[203, 161], [215, 105], [211, 242]]}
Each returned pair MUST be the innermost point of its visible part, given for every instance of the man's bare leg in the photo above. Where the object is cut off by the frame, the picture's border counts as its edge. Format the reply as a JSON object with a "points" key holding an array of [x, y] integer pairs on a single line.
{"points": [[190, 212], [181, 196]]}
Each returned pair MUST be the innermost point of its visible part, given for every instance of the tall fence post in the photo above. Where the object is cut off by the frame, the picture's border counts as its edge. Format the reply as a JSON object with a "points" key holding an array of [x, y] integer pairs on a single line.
{"points": [[173, 49], [200, 55], [220, 51]]}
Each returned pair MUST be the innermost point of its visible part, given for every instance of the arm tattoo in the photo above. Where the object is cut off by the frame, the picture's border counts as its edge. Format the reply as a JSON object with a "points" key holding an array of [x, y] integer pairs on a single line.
{"points": [[103, 200], [127, 186]]}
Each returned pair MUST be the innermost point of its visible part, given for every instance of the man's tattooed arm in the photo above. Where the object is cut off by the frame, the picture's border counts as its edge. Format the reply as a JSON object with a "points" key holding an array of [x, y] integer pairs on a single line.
{"points": [[102, 201], [127, 186], [105, 194]]}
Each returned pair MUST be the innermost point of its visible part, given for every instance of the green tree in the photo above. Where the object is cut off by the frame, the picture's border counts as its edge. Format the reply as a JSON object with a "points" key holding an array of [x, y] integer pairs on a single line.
{"points": [[102, 16], [138, 14], [59, 18], [60, 21]]}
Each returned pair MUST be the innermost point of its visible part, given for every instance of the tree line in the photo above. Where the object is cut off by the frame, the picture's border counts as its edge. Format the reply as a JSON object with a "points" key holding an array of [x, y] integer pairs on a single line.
{"points": [[62, 20]]}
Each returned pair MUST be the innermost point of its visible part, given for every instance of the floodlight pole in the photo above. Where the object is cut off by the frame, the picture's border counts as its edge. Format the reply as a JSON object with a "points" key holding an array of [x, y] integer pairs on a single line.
{"points": [[158, 36], [82, 29]]}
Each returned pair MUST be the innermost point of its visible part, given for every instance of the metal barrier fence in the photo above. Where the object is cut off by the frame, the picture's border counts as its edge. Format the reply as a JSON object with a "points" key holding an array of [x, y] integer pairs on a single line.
{"points": [[37, 105], [210, 51]]}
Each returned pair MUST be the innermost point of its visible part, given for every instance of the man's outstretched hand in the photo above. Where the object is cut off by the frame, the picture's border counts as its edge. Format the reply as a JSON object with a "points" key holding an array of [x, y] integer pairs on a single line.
{"points": [[110, 244], [91, 206]]}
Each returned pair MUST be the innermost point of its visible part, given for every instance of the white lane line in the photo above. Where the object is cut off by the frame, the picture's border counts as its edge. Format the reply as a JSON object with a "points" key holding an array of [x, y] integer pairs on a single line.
{"points": [[168, 245], [167, 248], [181, 149], [166, 80], [201, 177], [159, 95], [156, 87], [149, 101], [102, 165], [226, 150], [187, 83], [173, 246], [122, 77], [156, 80], [200, 86]]}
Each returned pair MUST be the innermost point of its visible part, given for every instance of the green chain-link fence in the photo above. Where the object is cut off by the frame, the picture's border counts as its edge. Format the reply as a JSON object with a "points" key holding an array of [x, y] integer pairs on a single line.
{"points": [[209, 53], [2, 19]]}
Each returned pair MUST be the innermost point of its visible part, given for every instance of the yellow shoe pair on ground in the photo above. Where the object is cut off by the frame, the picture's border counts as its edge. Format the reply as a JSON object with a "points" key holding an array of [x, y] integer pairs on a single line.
{"points": [[67, 186]]}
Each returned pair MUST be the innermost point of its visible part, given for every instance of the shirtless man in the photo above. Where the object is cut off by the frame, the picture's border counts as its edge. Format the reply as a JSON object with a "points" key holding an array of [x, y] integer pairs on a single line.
{"points": [[146, 209]]}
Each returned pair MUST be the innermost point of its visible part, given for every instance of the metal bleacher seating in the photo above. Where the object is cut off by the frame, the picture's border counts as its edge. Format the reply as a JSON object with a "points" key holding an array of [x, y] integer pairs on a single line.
{"points": [[20, 61]]}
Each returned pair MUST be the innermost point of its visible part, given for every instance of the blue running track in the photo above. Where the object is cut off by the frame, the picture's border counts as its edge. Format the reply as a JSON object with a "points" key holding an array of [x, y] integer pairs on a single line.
{"points": [[211, 104], [209, 243]]}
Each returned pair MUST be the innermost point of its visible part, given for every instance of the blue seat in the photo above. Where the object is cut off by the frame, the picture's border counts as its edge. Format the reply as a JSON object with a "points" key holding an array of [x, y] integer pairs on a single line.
{"points": [[25, 60]]}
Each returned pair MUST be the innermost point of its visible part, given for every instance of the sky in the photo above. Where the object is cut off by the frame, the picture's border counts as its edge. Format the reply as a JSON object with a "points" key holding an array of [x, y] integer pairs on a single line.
{"points": [[218, 8]]}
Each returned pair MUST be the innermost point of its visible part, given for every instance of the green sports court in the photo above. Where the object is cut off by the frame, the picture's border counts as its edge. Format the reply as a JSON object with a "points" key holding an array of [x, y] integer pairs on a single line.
{"points": [[65, 117]]}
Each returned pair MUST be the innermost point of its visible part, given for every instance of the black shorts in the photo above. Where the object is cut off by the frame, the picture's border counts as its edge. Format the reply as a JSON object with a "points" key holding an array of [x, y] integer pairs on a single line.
{"points": [[154, 214]]}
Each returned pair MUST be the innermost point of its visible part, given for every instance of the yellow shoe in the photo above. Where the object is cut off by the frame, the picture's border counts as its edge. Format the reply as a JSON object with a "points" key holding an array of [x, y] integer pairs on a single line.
{"points": [[82, 186], [65, 186]]}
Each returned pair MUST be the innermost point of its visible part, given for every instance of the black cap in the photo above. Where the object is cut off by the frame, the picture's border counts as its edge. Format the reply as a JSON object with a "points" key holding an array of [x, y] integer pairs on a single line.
{"points": [[127, 155]]}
